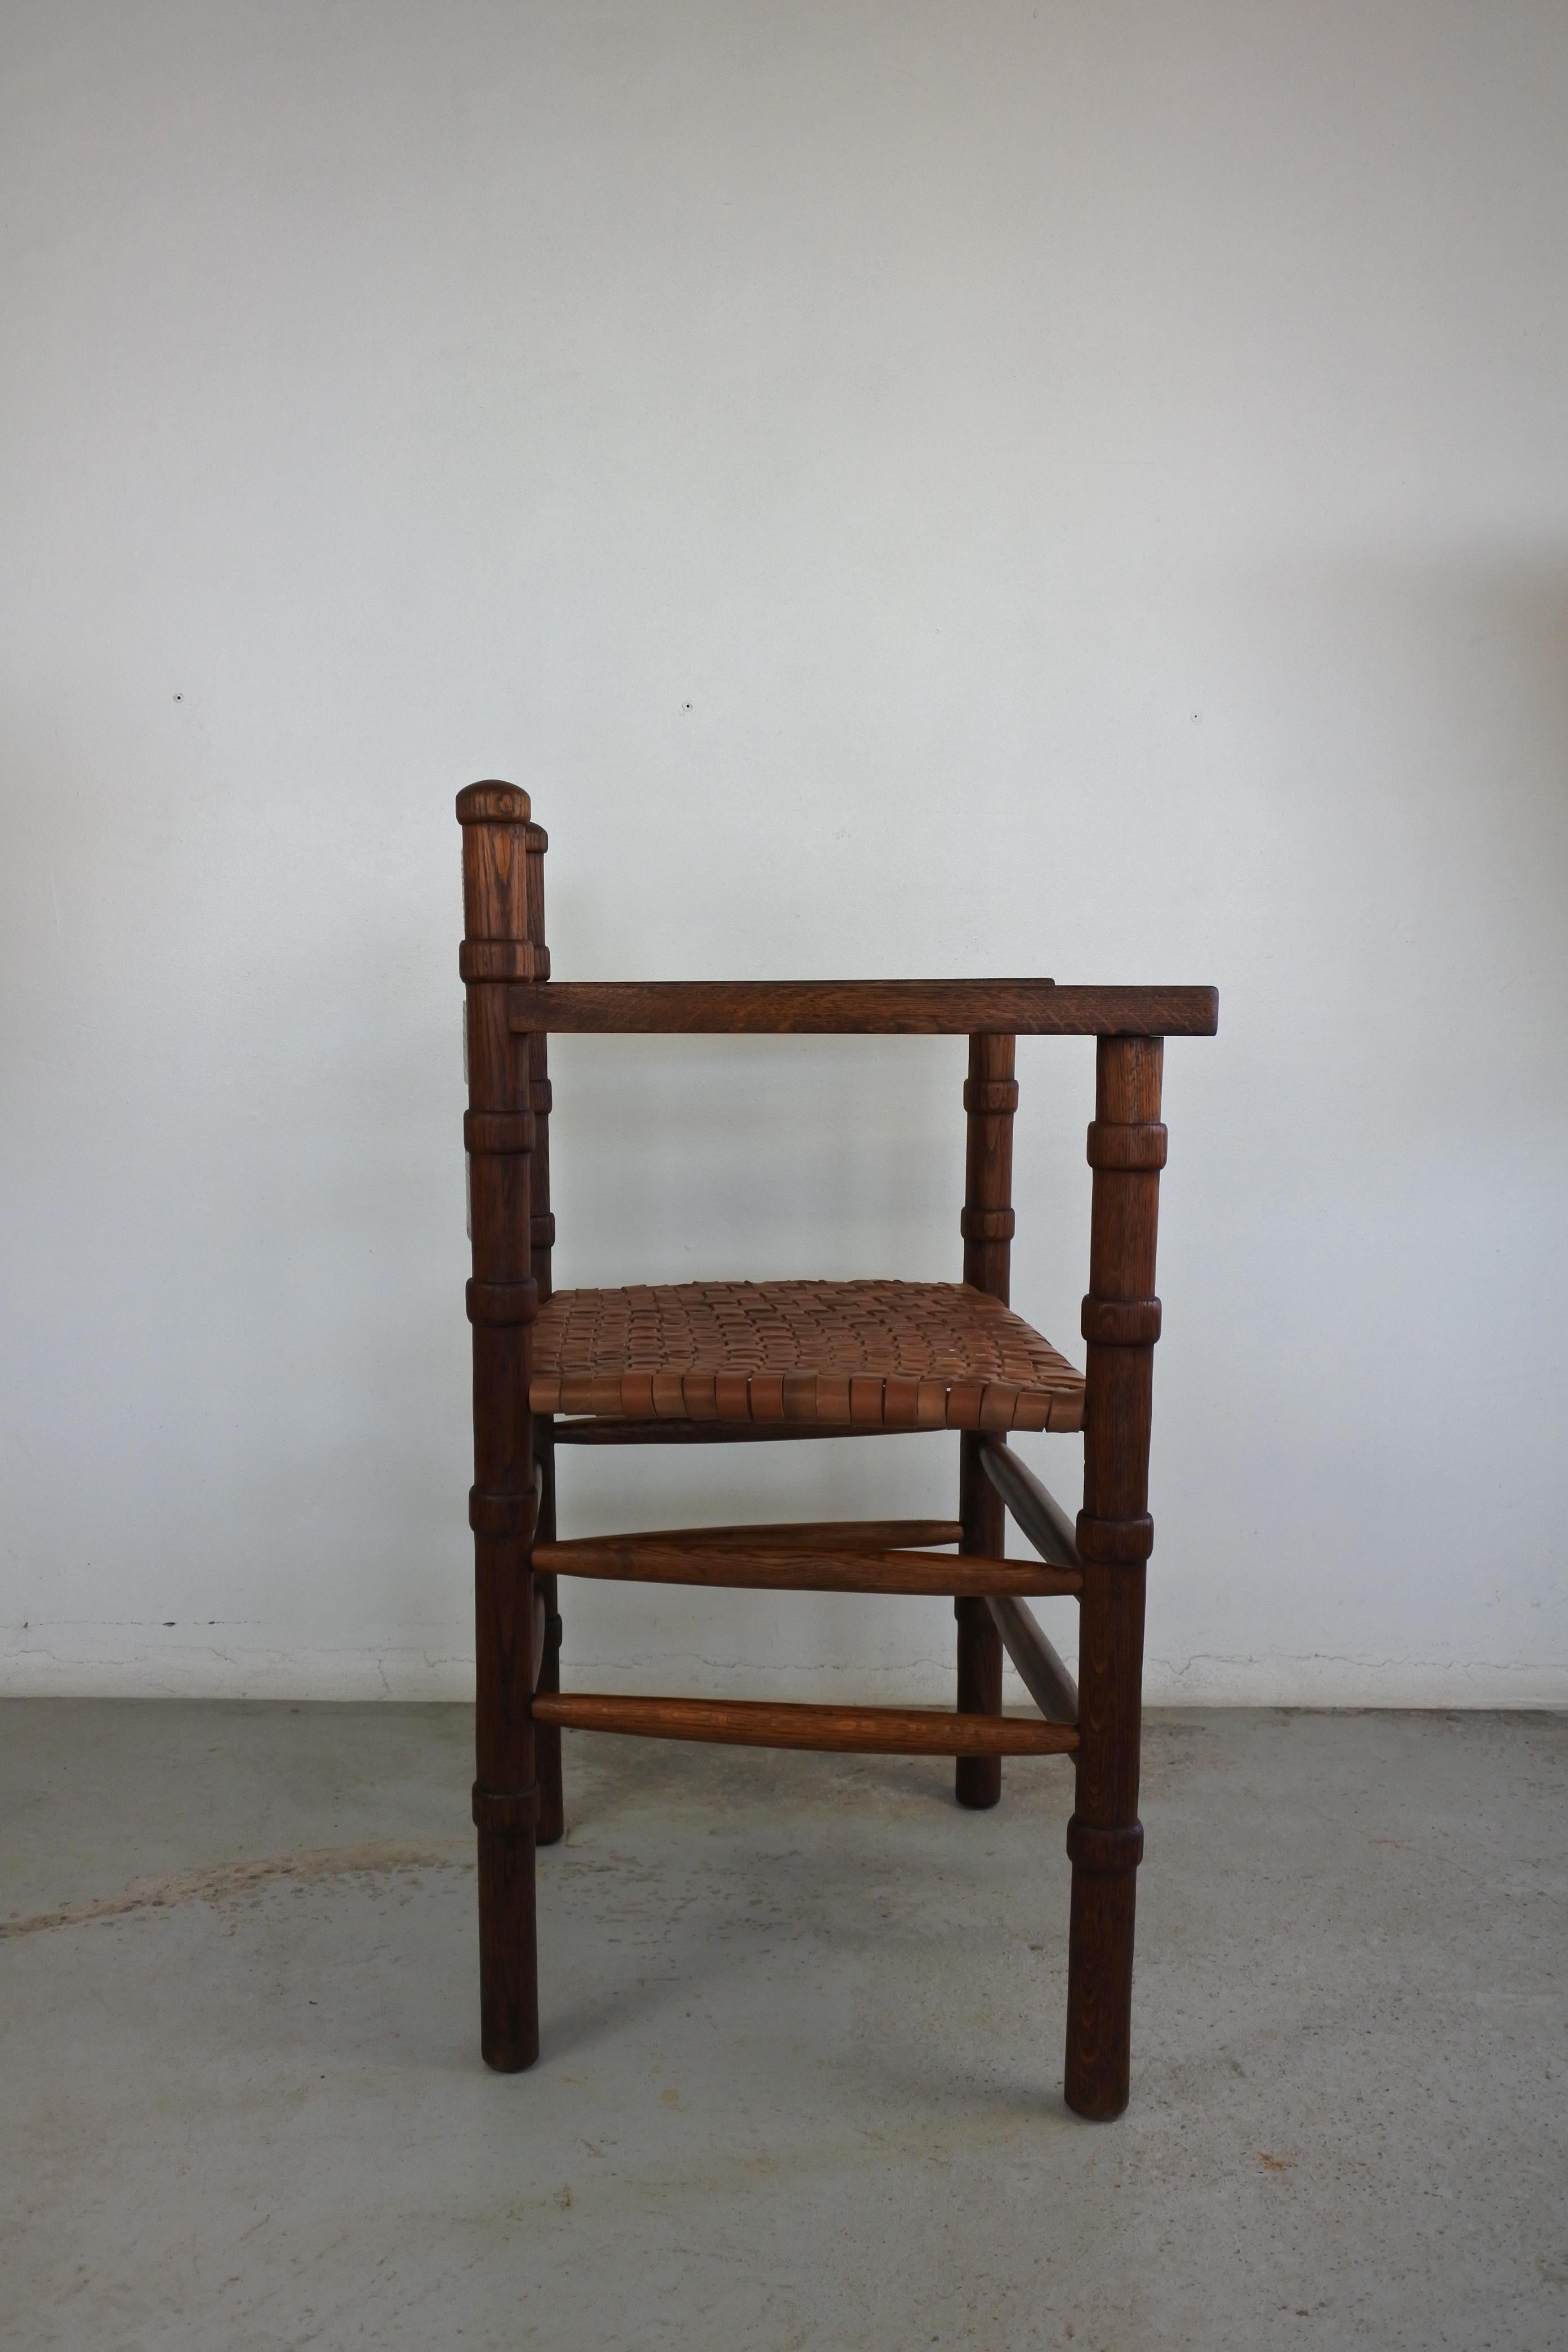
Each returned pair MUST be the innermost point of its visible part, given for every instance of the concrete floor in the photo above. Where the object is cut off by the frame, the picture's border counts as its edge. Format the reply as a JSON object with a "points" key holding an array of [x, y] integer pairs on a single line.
{"points": [[801, 2083]]}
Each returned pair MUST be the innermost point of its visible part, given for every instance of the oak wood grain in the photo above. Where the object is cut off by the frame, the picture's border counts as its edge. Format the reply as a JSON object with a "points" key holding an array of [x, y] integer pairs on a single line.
{"points": [[802, 1535], [1034, 1008], [1039, 1515], [809, 1570], [541, 1237], [861, 1730], [1042, 1670], [1112, 1536], [990, 1100], [721, 1433], [503, 1301]]}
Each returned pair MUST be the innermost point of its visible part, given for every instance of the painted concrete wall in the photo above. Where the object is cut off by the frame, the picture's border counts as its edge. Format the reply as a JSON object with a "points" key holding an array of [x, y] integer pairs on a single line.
{"points": [[909, 488]]}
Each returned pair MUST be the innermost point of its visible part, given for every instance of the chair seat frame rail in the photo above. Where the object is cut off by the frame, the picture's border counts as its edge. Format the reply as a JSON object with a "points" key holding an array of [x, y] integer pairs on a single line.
{"points": [[1099, 1558]]}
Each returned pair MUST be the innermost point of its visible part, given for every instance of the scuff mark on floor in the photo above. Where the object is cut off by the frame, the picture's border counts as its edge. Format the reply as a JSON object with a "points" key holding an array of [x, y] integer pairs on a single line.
{"points": [[236, 1878]]}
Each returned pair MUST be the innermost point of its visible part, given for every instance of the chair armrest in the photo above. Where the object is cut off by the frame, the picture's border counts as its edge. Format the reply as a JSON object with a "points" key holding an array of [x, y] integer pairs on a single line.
{"points": [[1021, 1008]]}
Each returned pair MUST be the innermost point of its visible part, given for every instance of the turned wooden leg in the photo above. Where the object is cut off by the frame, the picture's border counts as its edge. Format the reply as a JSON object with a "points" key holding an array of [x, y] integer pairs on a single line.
{"points": [[506, 1807], [503, 1503], [990, 1100], [1115, 1534], [977, 1779], [542, 1244], [547, 1736]]}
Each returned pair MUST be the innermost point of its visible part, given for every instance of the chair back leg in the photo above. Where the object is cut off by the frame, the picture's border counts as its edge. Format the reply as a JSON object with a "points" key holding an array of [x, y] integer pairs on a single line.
{"points": [[503, 1301], [542, 1243]]}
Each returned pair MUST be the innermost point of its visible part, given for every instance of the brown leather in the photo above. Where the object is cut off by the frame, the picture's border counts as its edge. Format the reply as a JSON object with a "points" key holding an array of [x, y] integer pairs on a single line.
{"points": [[923, 1355]]}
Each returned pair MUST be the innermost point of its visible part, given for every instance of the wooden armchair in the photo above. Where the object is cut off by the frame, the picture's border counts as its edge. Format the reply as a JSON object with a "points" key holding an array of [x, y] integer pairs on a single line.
{"points": [[706, 1362]]}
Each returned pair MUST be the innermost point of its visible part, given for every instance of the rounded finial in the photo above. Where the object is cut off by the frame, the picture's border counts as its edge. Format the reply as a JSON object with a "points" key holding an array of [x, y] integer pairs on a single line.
{"points": [[492, 803]]}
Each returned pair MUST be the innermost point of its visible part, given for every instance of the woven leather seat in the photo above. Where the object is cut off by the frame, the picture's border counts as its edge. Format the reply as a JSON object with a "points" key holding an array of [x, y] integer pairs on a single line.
{"points": [[916, 1355]]}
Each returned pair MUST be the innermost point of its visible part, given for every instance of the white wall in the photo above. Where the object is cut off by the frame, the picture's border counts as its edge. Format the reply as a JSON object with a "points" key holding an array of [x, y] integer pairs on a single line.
{"points": [[909, 488]]}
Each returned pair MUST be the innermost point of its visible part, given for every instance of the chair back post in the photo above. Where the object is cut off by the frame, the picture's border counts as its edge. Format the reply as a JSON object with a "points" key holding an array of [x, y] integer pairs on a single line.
{"points": [[542, 1242], [1115, 1536], [503, 1301], [541, 1223], [990, 1100]]}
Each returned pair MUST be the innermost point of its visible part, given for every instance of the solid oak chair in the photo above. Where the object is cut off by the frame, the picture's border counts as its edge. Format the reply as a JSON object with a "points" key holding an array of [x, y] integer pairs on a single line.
{"points": [[699, 1362]]}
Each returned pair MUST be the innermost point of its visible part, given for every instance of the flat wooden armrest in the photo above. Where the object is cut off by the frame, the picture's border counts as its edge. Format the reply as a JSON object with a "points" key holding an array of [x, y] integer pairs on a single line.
{"points": [[861, 1007]]}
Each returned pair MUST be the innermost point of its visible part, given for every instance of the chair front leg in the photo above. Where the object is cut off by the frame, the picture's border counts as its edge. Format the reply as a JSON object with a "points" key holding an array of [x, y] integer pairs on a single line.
{"points": [[506, 1800], [990, 1100], [1115, 1535]]}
